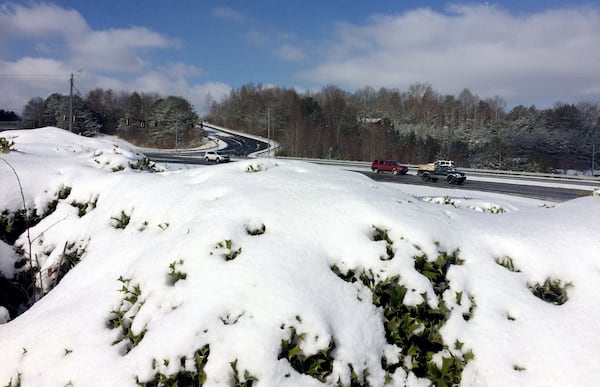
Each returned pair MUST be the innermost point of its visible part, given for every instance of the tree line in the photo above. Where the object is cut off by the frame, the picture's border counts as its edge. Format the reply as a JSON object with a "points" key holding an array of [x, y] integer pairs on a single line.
{"points": [[414, 126], [8, 115], [145, 119]]}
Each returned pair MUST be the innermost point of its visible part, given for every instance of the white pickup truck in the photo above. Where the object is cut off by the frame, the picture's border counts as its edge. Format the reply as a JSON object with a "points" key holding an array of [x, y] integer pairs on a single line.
{"points": [[215, 156]]}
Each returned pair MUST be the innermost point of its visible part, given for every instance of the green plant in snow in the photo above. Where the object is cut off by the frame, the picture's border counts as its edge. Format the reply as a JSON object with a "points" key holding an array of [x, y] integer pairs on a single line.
{"points": [[118, 168], [319, 365], [17, 382], [247, 381], [551, 291], [69, 258], [350, 276], [380, 234], [174, 274], [256, 230], [84, 207], [122, 318], [6, 145], [122, 221], [448, 200], [472, 305], [254, 168], [496, 209], [355, 380], [12, 225], [142, 164], [415, 329], [191, 373], [229, 319], [230, 252], [436, 271], [450, 372], [507, 263], [21, 222]]}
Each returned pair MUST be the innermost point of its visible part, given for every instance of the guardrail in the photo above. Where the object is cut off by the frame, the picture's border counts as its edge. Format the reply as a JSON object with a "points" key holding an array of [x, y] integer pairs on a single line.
{"points": [[272, 146], [412, 167]]}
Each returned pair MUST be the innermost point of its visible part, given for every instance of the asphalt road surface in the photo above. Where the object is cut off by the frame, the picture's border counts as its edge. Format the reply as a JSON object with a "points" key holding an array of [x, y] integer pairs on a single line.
{"points": [[557, 194], [238, 146]]}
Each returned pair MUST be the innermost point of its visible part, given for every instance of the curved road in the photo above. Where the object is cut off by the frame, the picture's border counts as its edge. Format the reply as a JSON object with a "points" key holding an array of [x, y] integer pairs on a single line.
{"points": [[239, 146]]}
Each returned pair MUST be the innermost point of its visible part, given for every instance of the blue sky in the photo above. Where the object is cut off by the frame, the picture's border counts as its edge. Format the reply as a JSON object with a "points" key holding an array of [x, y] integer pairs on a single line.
{"points": [[528, 52]]}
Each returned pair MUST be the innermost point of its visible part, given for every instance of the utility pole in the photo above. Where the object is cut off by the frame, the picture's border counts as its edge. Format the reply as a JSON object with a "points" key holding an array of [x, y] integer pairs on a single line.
{"points": [[593, 158], [177, 133], [71, 105], [269, 132]]}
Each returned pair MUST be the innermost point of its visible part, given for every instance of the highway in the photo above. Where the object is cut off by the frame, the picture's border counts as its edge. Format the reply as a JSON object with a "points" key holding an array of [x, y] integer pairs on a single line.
{"points": [[238, 146], [554, 193]]}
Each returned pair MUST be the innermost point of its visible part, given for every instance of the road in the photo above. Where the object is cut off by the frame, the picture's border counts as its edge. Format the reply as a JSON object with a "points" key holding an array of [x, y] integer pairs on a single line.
{"points": [[553, 193], [239, 146]]}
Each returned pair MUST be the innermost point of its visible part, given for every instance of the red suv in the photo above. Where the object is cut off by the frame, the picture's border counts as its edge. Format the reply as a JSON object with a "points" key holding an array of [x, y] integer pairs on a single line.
{"points": [[388, 166]]}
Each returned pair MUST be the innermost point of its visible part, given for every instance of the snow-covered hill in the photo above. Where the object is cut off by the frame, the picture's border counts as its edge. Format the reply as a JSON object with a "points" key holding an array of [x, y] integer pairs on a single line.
{"points": [[279, 273]]}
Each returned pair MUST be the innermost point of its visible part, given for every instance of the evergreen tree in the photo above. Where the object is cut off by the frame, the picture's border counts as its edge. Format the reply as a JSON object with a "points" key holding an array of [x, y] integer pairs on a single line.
{"points": [[172, 123]]}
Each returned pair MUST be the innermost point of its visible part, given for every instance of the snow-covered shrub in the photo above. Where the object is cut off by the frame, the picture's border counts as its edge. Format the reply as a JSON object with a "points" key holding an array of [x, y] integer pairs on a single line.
{"points": [[551, 291], [227, 250], [318, 365], [121, 221], [175, 274], [416, 329], [121, 319], [6, 145]]}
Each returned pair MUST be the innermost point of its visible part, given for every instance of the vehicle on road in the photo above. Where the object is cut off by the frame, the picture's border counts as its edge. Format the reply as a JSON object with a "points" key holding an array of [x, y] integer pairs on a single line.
{"points": [[441, 170], [216, 157], [388, 166]]}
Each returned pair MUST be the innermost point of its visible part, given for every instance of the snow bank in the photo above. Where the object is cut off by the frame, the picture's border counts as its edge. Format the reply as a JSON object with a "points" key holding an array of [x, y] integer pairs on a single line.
{"points": [[236, 260]]}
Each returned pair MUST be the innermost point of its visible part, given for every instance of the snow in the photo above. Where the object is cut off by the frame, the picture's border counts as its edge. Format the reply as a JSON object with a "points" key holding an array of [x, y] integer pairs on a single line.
{"points": [[244, 289]]}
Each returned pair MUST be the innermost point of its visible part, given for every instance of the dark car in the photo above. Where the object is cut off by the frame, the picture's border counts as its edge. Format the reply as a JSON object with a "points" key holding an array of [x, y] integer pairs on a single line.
{"points": [[388, 166]]}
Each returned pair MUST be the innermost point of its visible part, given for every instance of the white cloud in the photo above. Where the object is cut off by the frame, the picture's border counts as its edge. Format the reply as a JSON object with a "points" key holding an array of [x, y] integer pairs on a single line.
{"points": [[116, 50], [256, 38], [227, 13], [543, 57], [290, 53], [28, 77], [63, 43], [41, 20]]}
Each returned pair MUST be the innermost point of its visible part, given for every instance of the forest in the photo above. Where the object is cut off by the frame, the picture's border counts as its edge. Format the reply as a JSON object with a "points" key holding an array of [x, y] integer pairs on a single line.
{"points": [[412, 126], [415, 126], [144, 119]]}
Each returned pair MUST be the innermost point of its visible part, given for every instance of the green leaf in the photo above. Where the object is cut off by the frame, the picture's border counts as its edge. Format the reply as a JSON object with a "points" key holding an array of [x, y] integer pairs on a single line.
{"points": [[294, 352]]}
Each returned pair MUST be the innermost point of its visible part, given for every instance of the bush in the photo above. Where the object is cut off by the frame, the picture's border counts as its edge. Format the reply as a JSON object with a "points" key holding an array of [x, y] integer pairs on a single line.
{"points": [[415, 329], [551, 291], [5, 145], [319, 365]]}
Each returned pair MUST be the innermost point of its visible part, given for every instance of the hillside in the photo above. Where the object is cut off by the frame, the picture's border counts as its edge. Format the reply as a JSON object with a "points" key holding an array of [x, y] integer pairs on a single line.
{"points": [[280, 273]]}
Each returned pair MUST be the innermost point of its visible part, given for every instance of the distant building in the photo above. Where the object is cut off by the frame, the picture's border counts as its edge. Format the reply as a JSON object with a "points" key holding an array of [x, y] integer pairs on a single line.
{"points": [[376, 121]]}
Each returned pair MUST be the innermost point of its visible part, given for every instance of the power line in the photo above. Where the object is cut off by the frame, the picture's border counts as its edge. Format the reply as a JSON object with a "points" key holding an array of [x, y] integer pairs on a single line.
{"points": [[6, 75]]}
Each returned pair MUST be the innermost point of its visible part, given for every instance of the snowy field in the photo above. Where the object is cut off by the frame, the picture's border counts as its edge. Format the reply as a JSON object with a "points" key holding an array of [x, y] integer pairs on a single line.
{"points": [[283, 273]]}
